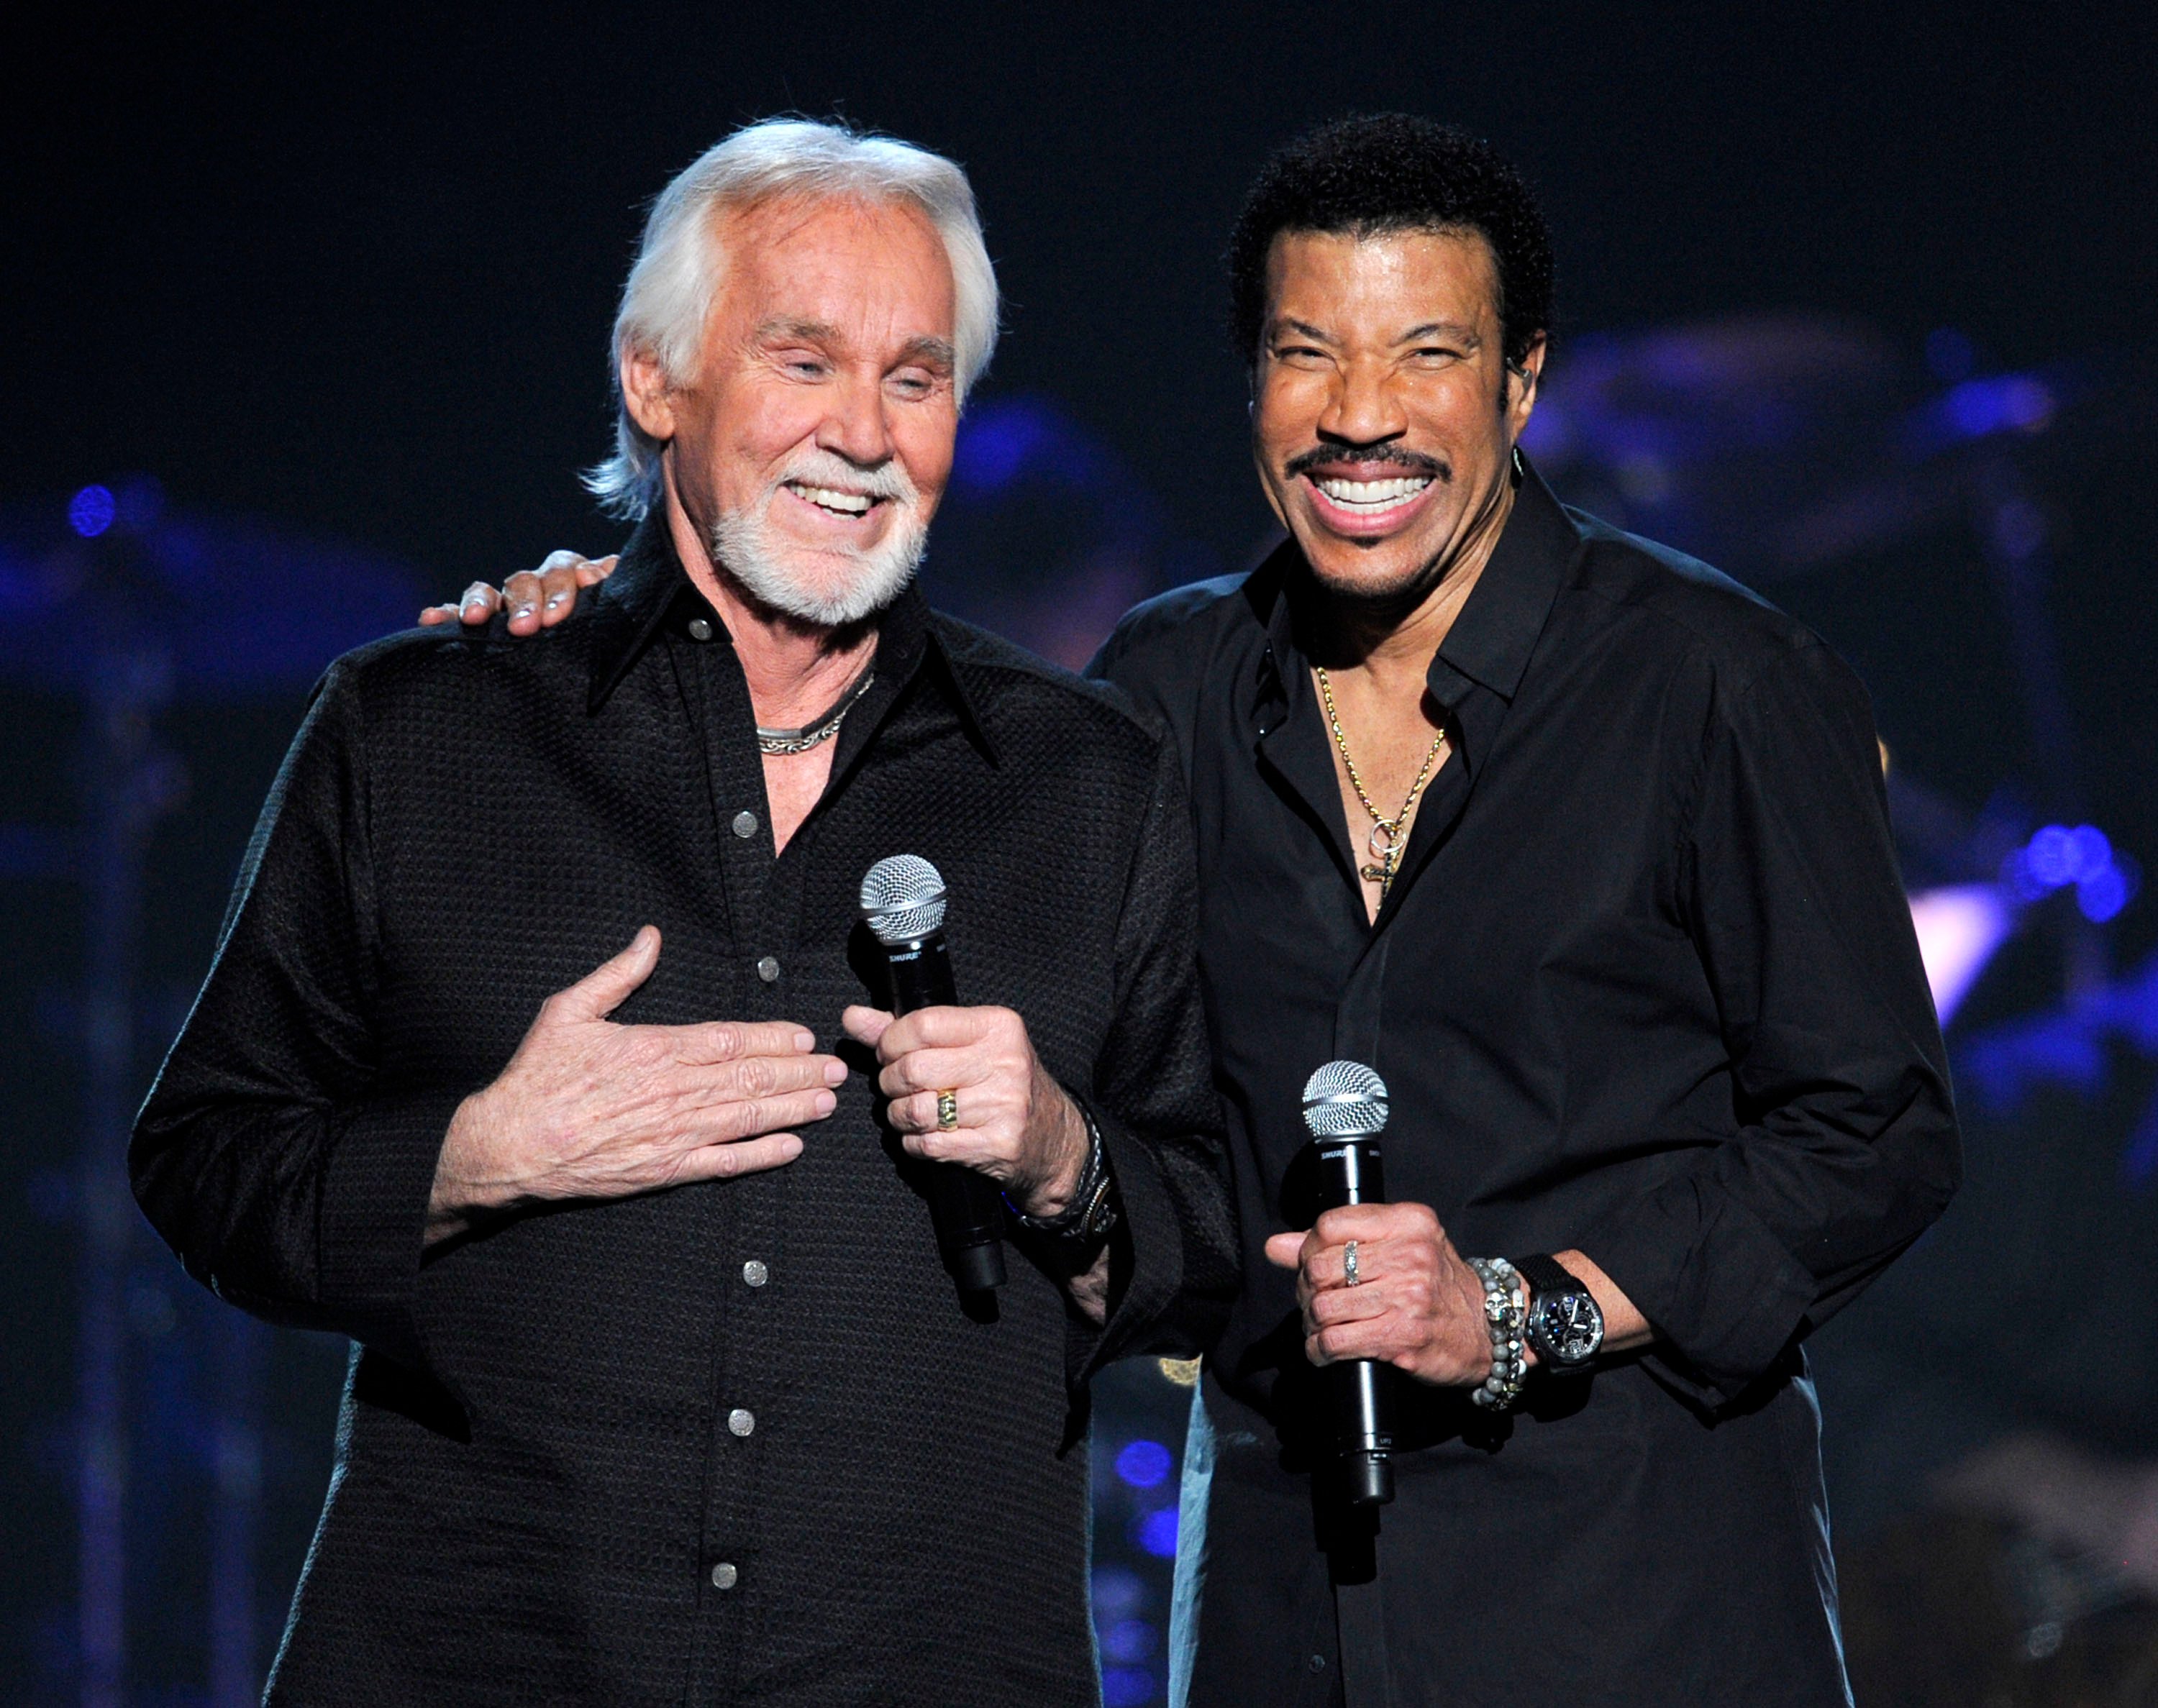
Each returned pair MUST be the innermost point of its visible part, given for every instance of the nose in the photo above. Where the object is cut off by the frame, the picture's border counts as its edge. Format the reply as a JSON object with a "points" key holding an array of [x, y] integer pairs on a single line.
{"points": [[855, 426], [1362, 408]]}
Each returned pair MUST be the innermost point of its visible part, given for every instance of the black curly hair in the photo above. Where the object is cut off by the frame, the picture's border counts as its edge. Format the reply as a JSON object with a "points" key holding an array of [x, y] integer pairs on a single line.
{"points": [[1394, 171]]}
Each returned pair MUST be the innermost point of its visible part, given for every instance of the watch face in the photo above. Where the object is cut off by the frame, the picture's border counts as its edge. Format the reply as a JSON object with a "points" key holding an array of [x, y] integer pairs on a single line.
{"points": [[1573, 1327]]}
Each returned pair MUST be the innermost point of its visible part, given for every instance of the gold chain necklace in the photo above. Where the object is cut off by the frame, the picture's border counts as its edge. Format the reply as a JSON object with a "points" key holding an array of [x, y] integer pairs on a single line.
{"points": [[1388, 835]]}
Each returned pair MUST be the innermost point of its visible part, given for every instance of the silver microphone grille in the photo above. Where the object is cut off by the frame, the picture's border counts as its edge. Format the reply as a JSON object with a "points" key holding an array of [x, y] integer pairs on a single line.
{"points": [[903, 899], [1344, 1100]]}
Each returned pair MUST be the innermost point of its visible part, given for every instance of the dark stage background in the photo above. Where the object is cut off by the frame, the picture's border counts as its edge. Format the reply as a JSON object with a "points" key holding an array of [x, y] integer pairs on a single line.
{"points": [[305, 318]]}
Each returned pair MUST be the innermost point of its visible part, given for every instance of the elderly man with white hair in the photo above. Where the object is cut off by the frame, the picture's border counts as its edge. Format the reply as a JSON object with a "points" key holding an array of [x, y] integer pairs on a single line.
{"points": [[659, 1391]]}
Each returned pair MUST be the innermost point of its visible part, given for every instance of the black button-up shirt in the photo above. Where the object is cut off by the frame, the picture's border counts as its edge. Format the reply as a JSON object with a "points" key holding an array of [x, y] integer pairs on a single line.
{"points": [[1645, 986], [735, 1442]]}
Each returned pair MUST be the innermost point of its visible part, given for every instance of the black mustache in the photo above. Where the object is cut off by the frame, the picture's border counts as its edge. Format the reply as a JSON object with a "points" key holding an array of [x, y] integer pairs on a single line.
{"points": [[1392, 455]]}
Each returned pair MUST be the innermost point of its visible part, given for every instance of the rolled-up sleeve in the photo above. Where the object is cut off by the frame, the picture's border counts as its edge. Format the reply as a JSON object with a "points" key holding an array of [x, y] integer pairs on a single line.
{"points": [[269, 1155], [1846, 1148]]}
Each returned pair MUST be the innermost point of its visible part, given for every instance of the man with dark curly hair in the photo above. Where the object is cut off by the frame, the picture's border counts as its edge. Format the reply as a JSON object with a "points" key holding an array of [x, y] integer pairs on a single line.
{"points": [[1585, 848]]}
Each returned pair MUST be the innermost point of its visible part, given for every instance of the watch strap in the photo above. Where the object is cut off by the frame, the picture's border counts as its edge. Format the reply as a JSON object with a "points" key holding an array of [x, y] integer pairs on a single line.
{"points": [[1547, 1275]]}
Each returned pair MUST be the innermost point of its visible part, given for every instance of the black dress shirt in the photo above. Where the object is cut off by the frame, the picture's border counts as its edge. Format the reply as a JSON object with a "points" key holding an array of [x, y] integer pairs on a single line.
{"points": [[1645, 986], [735, 1442]]}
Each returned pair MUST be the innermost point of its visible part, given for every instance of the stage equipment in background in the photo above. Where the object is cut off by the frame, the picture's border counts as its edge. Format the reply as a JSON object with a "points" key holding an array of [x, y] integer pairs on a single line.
{"points": [[1344, 1106], [1777, 446], [1045, 536], [127, 606], [903, 905]]}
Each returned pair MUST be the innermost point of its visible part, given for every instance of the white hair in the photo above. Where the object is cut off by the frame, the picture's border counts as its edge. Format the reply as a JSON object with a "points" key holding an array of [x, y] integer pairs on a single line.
{"points": [[668, 294]]}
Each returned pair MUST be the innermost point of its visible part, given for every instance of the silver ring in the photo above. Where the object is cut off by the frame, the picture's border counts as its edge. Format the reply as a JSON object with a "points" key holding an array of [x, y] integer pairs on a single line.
{"points": [[1349, 1265]]}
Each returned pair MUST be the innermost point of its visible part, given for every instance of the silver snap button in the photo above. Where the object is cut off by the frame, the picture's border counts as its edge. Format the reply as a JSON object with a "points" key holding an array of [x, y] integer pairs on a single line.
{"points": [[741, 1422], [724, 1575], [700, 630], [755, 1274], [767, 969], [745, 823]]}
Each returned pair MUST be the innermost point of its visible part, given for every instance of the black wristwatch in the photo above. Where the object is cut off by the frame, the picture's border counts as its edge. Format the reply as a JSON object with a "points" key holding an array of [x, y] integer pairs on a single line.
{"points": [[1564, 1325]]}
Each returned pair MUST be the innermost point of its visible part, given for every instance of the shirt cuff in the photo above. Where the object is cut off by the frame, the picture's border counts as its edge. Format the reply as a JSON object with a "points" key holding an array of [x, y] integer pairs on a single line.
{"points": [[1146, 1254], [373, 1219], [1712, 1279]]}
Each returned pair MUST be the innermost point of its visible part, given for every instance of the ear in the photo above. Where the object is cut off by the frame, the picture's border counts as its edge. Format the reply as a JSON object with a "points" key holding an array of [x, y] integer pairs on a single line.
{"points": [[1526, 375], [646, 393]]}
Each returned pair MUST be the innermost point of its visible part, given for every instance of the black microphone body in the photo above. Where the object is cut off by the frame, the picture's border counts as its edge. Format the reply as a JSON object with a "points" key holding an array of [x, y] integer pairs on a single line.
{"points": [[965, 1207], [1350, 1170]]}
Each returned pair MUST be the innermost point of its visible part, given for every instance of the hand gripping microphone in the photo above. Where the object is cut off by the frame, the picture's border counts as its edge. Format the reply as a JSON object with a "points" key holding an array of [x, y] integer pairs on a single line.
{"points": [[903, 902], [1344, 1106]]}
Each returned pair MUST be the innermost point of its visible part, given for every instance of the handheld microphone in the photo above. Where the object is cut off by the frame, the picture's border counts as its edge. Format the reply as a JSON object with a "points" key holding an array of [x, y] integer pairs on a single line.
{"points": [[1344, 1106], [903, 903]]}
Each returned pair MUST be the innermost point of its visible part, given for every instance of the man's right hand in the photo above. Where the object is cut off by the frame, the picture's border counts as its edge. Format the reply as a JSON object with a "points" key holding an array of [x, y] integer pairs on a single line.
{"points": [[537, 599], [591, 1110]]}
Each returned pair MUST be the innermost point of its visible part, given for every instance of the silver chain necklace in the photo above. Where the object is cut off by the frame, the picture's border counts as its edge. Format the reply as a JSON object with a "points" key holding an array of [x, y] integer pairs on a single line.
{"points": [[822, 729]]}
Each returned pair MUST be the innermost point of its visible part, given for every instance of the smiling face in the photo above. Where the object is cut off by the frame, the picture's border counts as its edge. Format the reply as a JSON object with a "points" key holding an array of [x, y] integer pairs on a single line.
{"points": [[1382, 419], [810, 448]]}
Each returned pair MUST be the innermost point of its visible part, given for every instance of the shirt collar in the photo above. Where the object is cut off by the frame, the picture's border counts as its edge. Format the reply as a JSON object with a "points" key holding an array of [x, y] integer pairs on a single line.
{"points": [[1491, 639], [649, 590]]}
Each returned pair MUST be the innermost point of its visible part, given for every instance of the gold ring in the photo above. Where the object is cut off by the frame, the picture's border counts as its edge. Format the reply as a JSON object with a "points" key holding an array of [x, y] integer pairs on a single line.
{"points": [[1348, 1265], [948, 1111]]}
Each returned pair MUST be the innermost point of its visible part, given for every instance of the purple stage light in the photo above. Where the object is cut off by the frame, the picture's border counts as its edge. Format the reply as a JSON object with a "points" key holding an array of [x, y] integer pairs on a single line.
{"points": [[1118, 1594], [1145, 1463], [1959, 927], [91, 510]]}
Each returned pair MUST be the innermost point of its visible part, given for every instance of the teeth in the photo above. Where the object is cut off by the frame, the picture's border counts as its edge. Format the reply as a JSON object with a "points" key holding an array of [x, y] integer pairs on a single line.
{"points": [[1373, 494], [846, 504]]}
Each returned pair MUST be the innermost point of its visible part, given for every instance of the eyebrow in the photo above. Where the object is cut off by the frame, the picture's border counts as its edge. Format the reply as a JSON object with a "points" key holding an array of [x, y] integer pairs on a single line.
{"points": [[1440, 328], [935, 351], [814, 332]]}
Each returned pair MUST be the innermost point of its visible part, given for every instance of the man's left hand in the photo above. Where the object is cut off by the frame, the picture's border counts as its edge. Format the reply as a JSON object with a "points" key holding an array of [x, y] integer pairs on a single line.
{"points": [[1016, 1124], [1417, 1306]]}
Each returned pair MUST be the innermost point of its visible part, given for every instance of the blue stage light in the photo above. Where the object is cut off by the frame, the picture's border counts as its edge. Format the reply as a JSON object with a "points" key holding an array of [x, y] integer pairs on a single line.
{"points": [[2104, 896], [1998, 404], [90, 511], [2058, 856], [1156, 1533], [1127, 1687], [1128, 1642], [1145, 1463]]}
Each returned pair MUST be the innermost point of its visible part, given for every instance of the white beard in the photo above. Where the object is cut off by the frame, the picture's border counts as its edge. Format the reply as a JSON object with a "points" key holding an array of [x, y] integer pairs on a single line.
{"points": [[772, 570]]}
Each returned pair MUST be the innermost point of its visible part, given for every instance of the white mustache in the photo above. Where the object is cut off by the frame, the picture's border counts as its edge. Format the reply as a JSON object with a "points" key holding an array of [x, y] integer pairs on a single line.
{"points": [[826, 468]]}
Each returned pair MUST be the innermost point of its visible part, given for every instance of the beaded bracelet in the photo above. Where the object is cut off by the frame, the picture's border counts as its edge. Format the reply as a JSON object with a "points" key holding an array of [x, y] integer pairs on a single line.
{"points": [[1503, 1315]]}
